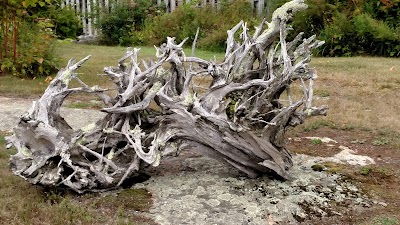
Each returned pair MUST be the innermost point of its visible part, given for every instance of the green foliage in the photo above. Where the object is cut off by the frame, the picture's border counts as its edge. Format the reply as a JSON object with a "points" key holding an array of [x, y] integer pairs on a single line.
{"points": [[365, 171], [118, 25], [352, 27], [316, 141], [184, 21], [27, 41], [383, 220], [381, 141], [181, 23], [358, 36], [66, 23], [228, 16], [348, 27], [318, 167], [35, 53]]}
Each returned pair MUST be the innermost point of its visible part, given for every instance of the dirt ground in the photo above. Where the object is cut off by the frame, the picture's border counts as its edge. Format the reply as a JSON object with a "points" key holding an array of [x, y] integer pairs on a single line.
{"points": [[381, 180]]}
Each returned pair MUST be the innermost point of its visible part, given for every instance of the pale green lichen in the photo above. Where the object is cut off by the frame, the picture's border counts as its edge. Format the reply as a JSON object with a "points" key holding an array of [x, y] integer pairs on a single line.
{"points": [[136, 130], [155, 88], [173, 145], [156, 160], [108, 130], [283, 13], [95, 88], [189, 99], [309, 112], [66, 78], [26, 152], [110, 155], [161, 72], [88, 128]]}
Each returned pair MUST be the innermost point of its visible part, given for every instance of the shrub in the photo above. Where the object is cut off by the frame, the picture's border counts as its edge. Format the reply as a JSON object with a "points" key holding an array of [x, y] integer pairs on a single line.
{"points": [[66, 23], [35, 52], [352, 27], [28, 37], [359, 36], [181, 23], [118, 25], [184, 21], [227, 17]]}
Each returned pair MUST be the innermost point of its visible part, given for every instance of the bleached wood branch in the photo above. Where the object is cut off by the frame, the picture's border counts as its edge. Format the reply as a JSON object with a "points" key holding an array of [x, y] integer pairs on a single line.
{"points": [[240, 119]]}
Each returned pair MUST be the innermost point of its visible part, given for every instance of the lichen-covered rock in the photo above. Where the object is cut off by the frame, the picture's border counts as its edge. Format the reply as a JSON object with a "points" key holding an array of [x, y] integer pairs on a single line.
{"points": [[216, 194]]}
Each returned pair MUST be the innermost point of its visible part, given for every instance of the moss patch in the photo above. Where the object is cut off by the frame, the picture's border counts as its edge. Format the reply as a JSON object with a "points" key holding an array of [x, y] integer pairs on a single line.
{"points": [[131, 199]]}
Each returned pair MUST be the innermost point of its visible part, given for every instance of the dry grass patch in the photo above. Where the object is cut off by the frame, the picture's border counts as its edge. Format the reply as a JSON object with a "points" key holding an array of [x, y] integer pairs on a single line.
{"points": [[362, 93], [357, 90]]}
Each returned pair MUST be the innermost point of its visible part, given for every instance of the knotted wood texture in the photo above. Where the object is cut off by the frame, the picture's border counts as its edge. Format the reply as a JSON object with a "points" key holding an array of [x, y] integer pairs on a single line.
{"points": [[239, 119]]}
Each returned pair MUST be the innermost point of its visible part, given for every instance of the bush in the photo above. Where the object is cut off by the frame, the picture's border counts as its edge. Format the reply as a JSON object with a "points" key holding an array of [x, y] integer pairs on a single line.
{"points": [[185, 20], [227, 17], [66, 23], [348, 27], [352, 28], [35, 52], [181, 23], [361, 35], [118, 25], [27, 32]]}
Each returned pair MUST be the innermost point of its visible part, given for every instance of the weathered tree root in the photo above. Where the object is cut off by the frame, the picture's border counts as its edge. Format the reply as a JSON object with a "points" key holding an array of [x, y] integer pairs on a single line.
{"points": [[240, 119]]}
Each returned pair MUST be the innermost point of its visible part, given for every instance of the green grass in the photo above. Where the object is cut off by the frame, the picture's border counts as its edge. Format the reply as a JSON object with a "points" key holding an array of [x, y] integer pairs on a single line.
{"points": [[385, 221], [12, 86], [91, 71], [86, 105], [316, 141], [317, 123], [381, 141]]}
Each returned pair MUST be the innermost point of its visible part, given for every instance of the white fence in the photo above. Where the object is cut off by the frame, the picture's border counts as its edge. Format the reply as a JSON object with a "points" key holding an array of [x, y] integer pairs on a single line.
{"points": [[171, 5], [89, 12], [89, 9]]}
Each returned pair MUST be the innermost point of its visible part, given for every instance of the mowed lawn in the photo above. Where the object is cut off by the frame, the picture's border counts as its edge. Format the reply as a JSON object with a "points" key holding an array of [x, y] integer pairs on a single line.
{"points": [[91, 72], [363, 94]]}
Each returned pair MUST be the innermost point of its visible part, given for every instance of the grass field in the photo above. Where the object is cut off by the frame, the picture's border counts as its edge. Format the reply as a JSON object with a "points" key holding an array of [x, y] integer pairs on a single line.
{"points": [[91, 72], [363, 96]]}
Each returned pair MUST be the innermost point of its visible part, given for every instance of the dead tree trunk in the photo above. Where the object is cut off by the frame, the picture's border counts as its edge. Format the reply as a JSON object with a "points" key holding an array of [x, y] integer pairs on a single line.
{"points": [[240, 119]]}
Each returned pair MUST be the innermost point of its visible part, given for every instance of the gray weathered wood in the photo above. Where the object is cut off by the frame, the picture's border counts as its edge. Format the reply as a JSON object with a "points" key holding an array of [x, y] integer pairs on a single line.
{"points": [[240, 119]]}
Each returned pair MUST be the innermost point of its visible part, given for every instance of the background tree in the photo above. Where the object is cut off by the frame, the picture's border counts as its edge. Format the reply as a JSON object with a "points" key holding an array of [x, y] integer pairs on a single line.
{"points": [[27, 31]]}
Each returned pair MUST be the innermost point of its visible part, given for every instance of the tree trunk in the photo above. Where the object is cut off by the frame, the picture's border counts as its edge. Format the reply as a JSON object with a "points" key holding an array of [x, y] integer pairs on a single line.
{"points": [[240, 119], [6, 38], [15, 37]]}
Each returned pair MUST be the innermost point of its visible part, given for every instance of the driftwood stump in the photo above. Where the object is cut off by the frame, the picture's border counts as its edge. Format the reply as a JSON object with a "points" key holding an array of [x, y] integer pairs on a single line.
{"points": [[240, 118]]}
